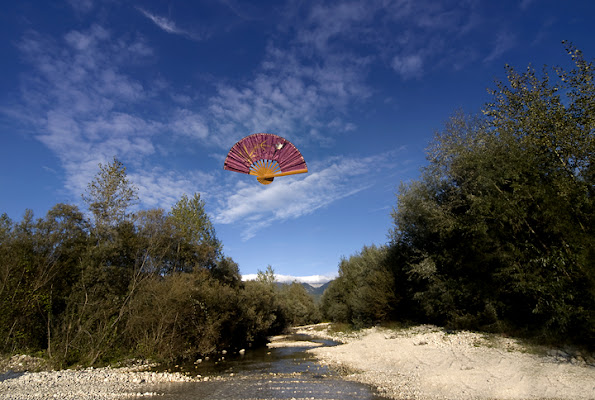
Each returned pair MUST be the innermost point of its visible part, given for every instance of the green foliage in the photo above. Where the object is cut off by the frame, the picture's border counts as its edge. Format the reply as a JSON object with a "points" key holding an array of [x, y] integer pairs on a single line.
{"points": [[298, 305], [110, 195], [38, 263], [266, 277], [333, 304], [227, 272], [183, 315], [198, 246], [363, 294], [263, 314], [498, 232], [150, 284]]}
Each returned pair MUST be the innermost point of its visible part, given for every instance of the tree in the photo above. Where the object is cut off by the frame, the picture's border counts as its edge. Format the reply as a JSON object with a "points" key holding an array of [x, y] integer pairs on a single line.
{"points": [[155, 232], [363, 293], [227, 272], [298, 305], [152, 284], [266, 277], [38, 264], [498, 231], [110, 195], [333, 303], [198, 245]]}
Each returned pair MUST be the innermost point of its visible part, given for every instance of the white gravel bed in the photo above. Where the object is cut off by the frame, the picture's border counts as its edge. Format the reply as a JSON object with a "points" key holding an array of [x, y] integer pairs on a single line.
{"points": [[90, 383], [426, 363]]}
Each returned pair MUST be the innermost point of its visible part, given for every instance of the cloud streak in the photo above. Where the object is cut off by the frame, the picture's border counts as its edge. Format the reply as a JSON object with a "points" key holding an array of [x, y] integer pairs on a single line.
{"points": [[87, 103], [291, 93], [87, 109], [503, 42], [253, 208], [169, 25]]}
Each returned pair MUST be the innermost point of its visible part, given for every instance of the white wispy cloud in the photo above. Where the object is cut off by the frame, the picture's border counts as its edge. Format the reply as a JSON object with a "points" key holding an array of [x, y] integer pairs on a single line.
{"points": [[524, 4], [87, 109], [408, 66], [170, 26], [81, 6], [252, 207], [409, 36], [190, 124], [293, 91], [337, 19], [88, 106], [503, 42], [159, 187]]}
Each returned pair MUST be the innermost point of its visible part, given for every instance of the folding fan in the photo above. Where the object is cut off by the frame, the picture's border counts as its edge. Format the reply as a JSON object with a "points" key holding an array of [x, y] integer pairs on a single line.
{"points": [[266, 156]]}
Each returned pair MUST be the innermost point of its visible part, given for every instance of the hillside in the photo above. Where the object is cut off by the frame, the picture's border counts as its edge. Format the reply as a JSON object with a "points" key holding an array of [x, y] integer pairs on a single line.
{"points": [[316, 292]]}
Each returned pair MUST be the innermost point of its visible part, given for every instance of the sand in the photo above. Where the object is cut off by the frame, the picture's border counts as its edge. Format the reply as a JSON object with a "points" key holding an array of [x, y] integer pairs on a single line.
{"points": [[422, 362], [426, 362]]}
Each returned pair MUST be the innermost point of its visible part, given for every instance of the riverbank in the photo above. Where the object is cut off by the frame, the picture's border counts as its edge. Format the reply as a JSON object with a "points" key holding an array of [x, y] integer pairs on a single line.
{"points": [[426, 362], [423, 362], [18, 381], [281, 370]]}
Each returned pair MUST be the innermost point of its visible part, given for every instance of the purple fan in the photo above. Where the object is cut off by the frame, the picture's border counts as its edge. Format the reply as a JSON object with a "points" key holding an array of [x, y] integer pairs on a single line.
{"points": [[266, 156]]}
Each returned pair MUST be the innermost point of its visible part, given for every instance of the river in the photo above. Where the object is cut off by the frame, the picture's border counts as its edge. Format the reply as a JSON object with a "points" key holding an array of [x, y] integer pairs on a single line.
{"points": [[268, 373]]}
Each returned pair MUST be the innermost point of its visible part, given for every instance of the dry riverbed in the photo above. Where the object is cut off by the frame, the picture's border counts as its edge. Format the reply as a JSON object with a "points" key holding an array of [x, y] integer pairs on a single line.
{"points": [[426, 362], [18, 382], [422, 362]]}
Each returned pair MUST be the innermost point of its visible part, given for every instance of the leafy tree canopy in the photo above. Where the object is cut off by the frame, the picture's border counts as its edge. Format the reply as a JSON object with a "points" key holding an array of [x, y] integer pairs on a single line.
{"points": [[499, 229], [110, 195]]}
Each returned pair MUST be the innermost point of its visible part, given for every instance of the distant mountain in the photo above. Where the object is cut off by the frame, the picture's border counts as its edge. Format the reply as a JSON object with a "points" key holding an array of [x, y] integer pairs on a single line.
{"points": [[315, 292]]}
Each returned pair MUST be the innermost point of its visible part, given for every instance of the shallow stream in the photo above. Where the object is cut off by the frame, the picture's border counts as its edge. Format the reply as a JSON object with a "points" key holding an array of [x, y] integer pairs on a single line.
{"points": [[267, 373]]}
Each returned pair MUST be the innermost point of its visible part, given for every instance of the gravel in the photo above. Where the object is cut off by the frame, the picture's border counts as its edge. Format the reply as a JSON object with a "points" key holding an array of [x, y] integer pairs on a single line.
{"points": [[423, 363], [82, 384], [426, 362]]}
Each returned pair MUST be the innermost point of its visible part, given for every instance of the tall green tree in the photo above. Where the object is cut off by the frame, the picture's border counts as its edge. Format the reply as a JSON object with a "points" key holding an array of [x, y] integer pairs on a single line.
{"points": [[298, 305], [110, 195], [498, 230], [198, 244], [149, 284], [227, 272], [267, 276], [363, 293], [39, 262]]}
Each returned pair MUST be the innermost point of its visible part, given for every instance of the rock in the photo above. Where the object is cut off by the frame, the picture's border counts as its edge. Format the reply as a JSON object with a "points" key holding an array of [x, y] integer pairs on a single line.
{"points": [[552, 352]]}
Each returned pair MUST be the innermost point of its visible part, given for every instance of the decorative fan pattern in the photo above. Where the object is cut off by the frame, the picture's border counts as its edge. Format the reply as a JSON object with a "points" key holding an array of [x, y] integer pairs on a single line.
{"points": [[266, 156]]}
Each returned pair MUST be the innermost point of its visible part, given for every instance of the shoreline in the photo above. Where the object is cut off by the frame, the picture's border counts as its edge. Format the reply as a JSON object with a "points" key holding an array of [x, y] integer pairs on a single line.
{"points": [[88, 383], [425, 362], [422, 362]]}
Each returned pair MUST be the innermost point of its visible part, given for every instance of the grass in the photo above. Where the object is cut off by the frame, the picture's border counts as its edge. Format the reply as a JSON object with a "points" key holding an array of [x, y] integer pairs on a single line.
{"points": [[341, 327]]}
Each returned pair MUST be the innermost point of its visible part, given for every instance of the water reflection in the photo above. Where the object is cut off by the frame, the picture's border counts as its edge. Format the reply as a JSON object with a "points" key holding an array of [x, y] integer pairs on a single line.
{"points": [[267, 373]]}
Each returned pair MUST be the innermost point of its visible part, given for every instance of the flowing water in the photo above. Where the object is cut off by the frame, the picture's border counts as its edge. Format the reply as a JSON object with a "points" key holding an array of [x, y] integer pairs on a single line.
{"points": [[276, 373]]}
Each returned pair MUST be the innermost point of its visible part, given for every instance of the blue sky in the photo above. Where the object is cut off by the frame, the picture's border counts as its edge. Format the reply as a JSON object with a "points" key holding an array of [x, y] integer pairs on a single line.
{"points": [[359, 87]]}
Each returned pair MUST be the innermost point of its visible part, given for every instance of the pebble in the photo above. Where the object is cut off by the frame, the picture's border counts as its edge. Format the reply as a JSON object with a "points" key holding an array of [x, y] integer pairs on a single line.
{"points": [[85, 384]]}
